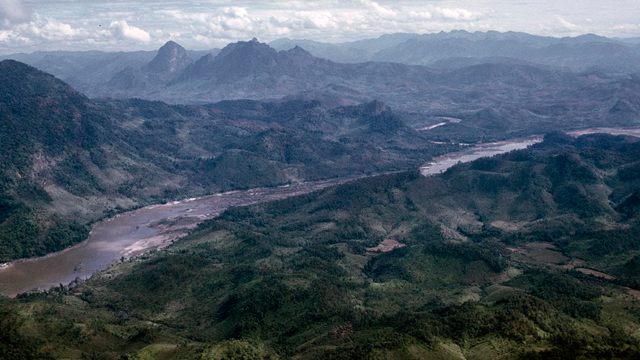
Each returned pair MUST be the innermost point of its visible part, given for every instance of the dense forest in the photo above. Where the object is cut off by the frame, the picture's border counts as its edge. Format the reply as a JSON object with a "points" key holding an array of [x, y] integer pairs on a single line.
{"points": [[488, 263]]}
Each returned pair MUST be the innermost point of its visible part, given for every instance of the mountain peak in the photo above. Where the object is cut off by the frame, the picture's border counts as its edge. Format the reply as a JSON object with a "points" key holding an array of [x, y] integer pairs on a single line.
{"points": [[376, 107], [246, 48], [299, 53], [171, 44], [247, 54], [171, 58]]}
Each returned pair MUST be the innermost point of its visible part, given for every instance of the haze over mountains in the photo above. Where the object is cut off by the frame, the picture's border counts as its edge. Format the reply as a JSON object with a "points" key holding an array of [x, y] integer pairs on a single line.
{"points": [[461, 48], [84, 68], [512, 82], [439, 50]]}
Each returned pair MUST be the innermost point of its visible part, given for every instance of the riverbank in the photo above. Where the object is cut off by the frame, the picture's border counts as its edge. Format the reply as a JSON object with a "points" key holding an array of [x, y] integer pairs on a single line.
{"points": [[134, 233], [157, 226]]}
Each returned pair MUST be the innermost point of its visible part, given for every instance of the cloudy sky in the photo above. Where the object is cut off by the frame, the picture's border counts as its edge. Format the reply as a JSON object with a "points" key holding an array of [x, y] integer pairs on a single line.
{"points": [[30, 25]]}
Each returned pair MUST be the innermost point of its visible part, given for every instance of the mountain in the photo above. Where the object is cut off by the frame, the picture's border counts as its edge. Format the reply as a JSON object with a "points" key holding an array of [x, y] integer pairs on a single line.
{"points": [[465, 48], [85, 70], [255, 60], [69, 161], [171, 59], [47, 130], [423, 96], [576, 54], [457, 89], [490, 259], [348, 52]]}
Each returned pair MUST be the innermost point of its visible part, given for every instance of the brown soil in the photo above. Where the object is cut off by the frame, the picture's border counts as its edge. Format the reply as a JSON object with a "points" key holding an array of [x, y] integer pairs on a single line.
{"points": [[386, 246], [596, 273]]}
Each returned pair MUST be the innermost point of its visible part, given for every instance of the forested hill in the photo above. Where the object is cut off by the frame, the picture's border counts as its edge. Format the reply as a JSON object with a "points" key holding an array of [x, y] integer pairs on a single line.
{"points": [[44, 127], [484, 261], [68, 160], [42, 114]]}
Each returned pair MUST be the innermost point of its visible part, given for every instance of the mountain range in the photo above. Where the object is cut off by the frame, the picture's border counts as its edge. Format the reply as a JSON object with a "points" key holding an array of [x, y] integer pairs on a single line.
{"points": [[516, 96], [83, 69], [65, 152], [461, 48]]}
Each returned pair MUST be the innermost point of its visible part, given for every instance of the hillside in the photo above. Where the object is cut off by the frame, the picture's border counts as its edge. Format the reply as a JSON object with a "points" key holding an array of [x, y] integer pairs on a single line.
{"points": [[69, 161], [483, 261], [49, 132]]}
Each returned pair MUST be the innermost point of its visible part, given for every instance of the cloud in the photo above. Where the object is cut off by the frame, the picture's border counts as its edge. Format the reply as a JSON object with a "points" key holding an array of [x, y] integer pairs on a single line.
{"points": [[124, 31], [626, 29], [13, 12], [127, 25], [457, 14], [378, 9], [567, 26], [219, 22], [41, 32]]}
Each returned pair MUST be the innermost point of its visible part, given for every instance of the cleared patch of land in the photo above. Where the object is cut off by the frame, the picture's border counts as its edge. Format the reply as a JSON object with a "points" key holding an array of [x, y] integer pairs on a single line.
{"points": [[386, 246]]}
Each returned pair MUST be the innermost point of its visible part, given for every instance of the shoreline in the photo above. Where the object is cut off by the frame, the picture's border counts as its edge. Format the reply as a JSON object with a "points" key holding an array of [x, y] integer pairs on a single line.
{"points": [[9, 264], [164, 237], [472, 148]]}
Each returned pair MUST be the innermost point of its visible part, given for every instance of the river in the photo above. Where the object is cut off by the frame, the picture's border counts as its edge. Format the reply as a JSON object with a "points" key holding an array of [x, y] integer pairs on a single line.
{"points": [[442, 163], [133, 233], [155, 227]]}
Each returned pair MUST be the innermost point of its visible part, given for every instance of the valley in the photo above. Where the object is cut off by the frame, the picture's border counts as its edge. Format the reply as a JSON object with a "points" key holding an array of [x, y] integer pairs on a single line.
{"points": [[133, 233], [452, 196], [473, 262]]}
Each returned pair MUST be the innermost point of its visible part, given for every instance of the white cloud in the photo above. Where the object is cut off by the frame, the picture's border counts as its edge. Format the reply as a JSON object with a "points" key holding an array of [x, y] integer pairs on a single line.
{"points": [[236, 12], [626, 29], [378, 9], [567, 26], [122, 30], [13, 12], [126, 25], [41, 32], [457, 14]]}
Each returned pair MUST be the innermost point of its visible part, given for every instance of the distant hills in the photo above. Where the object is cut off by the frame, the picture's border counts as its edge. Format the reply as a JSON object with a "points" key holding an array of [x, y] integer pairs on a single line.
{"points": [[300, 118], [83, 69], [462, 48]]}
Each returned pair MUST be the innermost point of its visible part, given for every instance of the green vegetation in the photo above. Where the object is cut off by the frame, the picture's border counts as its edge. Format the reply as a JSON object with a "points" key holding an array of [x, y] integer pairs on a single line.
{"points": [[295, 279]]}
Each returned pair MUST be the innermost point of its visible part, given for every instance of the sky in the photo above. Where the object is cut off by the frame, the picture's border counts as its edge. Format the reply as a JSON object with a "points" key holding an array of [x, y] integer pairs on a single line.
{"points": [[126, 25]]}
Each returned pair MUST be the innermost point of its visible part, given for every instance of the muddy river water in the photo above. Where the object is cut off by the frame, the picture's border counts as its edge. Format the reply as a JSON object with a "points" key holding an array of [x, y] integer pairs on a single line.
{"points": [[133, 233], [157, 226]]}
